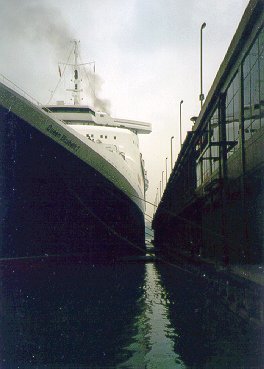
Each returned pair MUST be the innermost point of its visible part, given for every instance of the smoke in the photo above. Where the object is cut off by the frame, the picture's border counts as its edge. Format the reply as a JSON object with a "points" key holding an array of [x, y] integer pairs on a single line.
{"points": [[29, 27], [100, 104], [93, 87], [32, 22]]}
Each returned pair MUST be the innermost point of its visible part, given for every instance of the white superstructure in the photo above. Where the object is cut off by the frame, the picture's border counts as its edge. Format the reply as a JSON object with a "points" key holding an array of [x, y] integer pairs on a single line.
{"points": [[116, 140]]}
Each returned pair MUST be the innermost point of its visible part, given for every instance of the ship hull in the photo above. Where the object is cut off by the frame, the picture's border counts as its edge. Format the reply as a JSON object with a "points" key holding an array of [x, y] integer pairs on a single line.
{"points": [[53, 203]]}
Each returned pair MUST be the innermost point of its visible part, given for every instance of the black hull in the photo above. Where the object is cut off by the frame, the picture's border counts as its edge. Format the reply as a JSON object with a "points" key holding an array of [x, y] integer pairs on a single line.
{"points": [[52, 203]]}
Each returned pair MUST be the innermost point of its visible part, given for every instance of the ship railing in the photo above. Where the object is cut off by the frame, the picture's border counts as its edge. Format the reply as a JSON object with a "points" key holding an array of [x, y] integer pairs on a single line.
{"points": [[19, 90]]}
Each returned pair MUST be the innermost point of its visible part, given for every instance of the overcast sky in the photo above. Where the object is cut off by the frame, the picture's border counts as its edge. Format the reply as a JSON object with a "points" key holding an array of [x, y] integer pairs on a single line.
{"points": [[146, 53]]}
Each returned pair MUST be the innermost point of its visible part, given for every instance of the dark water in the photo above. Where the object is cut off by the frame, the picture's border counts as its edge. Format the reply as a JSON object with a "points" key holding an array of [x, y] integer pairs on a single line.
{"points": [[130, 315]]}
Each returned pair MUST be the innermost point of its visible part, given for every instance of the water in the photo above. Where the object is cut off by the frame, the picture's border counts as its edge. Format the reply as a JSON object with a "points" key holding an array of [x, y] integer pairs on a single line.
{"points": [[128, 315], [153, 344]]}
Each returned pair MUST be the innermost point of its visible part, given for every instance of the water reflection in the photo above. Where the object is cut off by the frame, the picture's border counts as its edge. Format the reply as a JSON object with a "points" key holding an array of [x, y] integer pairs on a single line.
{"points": [[210, 335], [153, 345], [67, 315], [125, 316]]}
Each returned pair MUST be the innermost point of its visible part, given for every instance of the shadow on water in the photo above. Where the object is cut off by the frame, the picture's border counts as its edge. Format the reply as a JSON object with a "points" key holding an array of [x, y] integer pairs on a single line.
{"points": [[126, 316], [210, 336]]}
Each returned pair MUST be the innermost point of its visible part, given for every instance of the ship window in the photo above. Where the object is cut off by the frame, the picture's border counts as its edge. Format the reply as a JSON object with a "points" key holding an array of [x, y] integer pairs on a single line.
{"points": [[105, 136], [92, 135], [101, 136], [114, 137], [68, 109]]}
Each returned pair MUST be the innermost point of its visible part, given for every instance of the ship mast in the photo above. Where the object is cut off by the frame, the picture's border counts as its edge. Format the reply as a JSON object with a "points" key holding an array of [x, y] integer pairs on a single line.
{"points": [[76, 74], [76, 91]]}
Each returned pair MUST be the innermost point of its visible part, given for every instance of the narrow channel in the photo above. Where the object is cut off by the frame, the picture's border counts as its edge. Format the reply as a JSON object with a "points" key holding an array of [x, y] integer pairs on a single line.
{"points": [[126, 315]]}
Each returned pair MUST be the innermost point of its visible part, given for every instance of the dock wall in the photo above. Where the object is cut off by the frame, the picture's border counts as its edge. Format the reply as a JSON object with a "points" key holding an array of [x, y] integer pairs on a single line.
{"points": [[211, 213]]}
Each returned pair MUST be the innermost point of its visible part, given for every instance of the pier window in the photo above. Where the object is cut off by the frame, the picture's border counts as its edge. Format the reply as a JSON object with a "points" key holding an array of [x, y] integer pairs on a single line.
{"points": [[232, 116], [253, 87], [207, 150], [199, 173], [214, 140], [206, 164]]}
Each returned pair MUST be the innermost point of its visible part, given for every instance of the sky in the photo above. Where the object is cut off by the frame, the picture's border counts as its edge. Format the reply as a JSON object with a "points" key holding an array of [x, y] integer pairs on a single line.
{"points": [[147, 56]]}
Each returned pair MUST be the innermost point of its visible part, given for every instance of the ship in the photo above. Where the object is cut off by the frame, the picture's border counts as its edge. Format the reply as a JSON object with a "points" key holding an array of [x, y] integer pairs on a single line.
{"points": [[73, 180]]}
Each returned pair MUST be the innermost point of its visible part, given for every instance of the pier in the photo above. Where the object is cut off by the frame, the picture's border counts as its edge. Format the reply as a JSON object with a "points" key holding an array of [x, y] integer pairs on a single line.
{"points": [[211, 213]]}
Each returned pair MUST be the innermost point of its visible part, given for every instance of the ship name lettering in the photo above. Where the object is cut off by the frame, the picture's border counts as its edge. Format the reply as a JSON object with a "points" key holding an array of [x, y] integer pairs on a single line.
{"points": [[53, 131], [63, 138], [69, 143]]}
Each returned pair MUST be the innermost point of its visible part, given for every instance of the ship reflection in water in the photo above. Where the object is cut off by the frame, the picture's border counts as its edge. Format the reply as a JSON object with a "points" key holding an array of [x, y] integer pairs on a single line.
{"points": [[73, 315]]}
